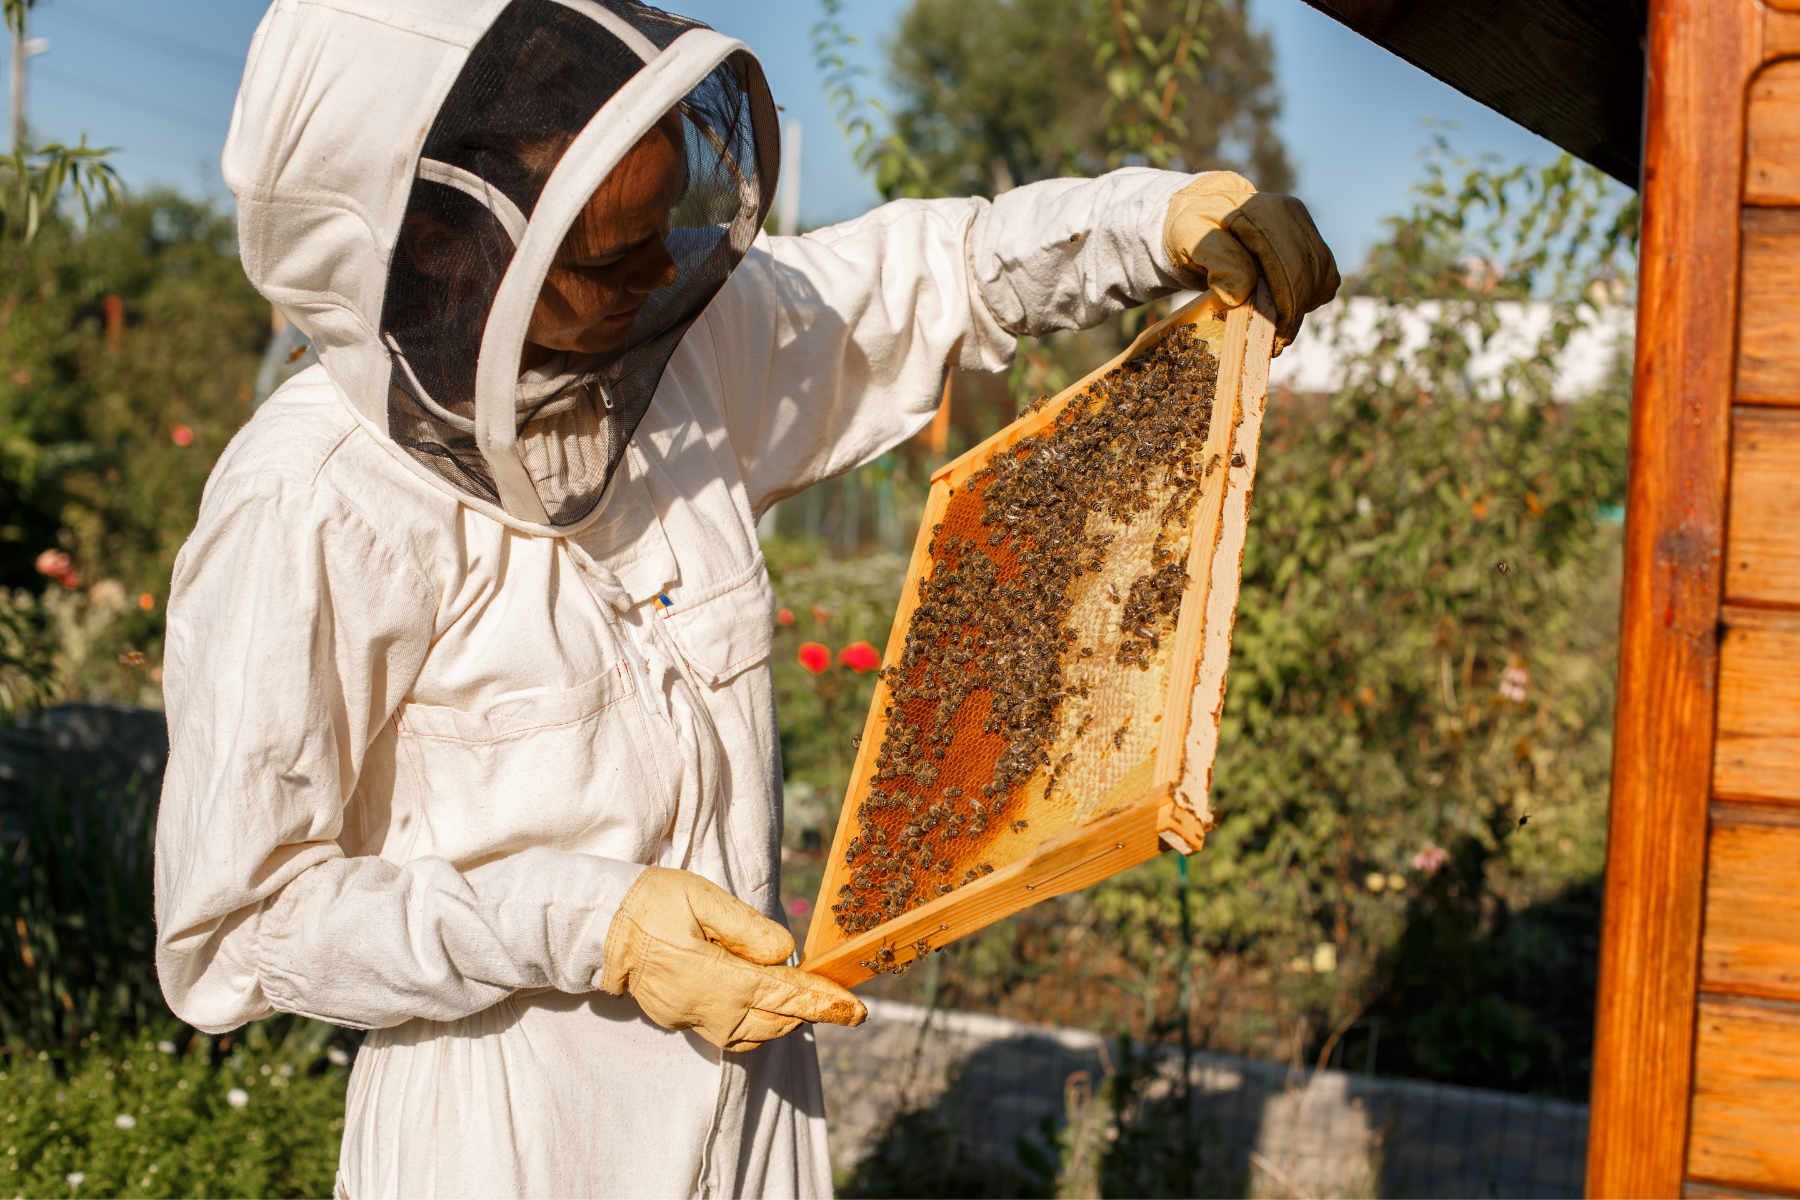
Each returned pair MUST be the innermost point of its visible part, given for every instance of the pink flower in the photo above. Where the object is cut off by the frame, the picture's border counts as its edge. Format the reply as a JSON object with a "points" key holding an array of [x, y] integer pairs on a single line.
{"points": [[54, 563], [859, 657], [1513, 682], [1431, 859], [799, 906], [181, 435], [785, 617], [814, 657]]}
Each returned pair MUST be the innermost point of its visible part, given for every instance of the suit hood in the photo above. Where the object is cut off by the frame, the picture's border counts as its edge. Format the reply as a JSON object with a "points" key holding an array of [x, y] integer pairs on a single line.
{"points": [[495, 120]]}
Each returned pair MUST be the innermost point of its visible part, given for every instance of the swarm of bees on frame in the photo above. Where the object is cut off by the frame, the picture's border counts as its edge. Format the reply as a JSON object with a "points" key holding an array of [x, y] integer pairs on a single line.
{"points": [[990, 659]]}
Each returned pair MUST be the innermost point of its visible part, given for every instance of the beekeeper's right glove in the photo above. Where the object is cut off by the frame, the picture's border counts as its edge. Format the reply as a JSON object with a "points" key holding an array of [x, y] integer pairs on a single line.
{"points": [[1223, 231], [696, 957]]}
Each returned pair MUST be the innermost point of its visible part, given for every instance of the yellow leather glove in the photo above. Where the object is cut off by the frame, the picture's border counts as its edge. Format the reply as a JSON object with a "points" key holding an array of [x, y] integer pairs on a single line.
{"points": [[696, 957], [1221, 228]]}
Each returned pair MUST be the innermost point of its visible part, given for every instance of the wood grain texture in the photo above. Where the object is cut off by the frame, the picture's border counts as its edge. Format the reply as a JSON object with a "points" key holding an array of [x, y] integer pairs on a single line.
{"points": [[1074, 859], [1757, 754], [1571, 71], [1190, 626], [1768, 367], [1701, 53], [1762, 538], [1772, 133], [1207, 702], [1752, 941], [1746, 1095]]}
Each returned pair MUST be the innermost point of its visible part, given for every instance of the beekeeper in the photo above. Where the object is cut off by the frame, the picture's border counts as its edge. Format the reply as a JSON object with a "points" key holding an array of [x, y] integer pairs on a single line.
{"points": [[472, 737]]}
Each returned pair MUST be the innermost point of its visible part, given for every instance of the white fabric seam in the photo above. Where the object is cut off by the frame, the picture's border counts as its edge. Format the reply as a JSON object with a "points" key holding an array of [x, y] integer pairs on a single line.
{"points": [[478, 189], [636, 42]]}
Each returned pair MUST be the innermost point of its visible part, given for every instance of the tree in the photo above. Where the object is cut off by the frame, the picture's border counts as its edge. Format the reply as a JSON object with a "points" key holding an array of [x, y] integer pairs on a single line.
{"points": [[995, 93], [127, 351]]}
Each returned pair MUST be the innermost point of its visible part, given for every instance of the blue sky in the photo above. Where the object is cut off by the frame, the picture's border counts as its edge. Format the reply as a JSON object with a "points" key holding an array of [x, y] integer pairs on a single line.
{"points": [[157, 78]]}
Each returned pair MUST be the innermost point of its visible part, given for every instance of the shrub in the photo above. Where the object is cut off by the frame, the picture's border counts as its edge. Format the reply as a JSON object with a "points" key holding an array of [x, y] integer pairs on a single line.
{"points": [[138, 1116]]}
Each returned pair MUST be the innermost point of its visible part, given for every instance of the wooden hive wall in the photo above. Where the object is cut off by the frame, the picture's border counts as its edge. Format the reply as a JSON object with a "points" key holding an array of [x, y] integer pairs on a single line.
{"points": [[1697, 1061], [1746, 1071], [1126, 766]]}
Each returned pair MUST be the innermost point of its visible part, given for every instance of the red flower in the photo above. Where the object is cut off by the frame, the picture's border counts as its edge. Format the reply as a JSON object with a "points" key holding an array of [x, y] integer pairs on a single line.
{"points": [[821, 614], [785, 617], [859, 657], [181, 435], [814, 657], [54, 563]]}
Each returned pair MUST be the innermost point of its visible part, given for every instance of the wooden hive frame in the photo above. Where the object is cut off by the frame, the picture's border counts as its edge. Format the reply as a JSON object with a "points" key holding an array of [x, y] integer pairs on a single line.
{"points": [[1163, 805]]}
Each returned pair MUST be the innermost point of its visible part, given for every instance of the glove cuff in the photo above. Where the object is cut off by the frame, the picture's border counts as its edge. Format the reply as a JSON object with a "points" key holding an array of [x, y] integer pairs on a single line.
{"points": [[625, 936]]}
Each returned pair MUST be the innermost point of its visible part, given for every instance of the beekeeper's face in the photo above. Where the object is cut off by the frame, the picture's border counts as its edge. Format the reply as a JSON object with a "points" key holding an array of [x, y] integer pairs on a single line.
{"points": [[615, 255]]}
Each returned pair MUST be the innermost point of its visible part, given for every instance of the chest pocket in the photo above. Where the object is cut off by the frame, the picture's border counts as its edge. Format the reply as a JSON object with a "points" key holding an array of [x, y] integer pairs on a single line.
{"points": [[726, 629], [570, 769]]}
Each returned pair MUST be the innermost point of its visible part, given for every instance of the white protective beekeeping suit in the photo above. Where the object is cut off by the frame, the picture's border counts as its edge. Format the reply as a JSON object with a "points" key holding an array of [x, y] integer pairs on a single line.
{"points": [[428, 717]]}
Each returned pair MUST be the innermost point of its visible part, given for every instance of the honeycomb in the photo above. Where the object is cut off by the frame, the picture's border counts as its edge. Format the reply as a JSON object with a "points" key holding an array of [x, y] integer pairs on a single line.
{"points": [[1035, 665]]}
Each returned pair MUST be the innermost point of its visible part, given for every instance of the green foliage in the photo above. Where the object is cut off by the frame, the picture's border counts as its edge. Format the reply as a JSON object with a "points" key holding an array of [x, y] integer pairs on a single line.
{"points": [[994, 93], [125, 1116], [1423, 653], [887, 157], [35, 178], [833, 602], [27, 654], [127, 350], [1423, 657], [1144, 73], [75, 883]]}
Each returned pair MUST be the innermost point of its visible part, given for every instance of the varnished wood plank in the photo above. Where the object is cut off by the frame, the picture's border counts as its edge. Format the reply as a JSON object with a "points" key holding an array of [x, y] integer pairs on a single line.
{"points": [[1752, 941], [1762, 540], [1701, 53], [1571, 71], [1757, 754], [1772, 151], [1768, 367], [1746, 1095]]}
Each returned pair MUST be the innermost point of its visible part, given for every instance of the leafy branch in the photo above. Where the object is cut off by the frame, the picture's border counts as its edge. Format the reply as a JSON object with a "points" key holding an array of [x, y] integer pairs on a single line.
{"points": [[897, 170], [1144, 73], [35, 178], [15, 16]]}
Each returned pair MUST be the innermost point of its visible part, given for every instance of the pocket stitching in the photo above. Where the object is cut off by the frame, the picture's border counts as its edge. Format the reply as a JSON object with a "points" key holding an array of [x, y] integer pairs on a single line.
{"points": [[669, 616], [620, 669]]}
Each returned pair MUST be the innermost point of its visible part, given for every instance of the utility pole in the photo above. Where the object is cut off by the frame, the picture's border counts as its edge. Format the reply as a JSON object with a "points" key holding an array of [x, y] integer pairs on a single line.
{"points": [[787, 218], [22, 49]]}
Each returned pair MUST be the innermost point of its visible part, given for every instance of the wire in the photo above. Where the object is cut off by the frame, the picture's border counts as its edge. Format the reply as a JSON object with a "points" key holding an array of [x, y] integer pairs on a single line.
{"points": [[147, 39], [192, 120]]}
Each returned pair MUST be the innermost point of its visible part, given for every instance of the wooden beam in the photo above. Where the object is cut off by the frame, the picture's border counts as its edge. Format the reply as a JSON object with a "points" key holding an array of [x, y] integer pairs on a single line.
{"points": [[1701, 53], [1571, 71]]}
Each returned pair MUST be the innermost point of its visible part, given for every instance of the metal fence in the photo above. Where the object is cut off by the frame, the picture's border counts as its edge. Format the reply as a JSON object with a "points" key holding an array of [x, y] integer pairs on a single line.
{"points": [[1270, 1129]]}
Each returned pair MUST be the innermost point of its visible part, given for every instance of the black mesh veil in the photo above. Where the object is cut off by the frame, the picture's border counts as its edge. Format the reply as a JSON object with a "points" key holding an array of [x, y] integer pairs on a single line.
{"points": [[539, 78]]}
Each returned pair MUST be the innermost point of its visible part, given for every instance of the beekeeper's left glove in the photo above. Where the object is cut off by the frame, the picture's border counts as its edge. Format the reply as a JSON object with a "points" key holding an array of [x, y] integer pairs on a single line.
{"points": [[696, 957], [1221, 228]]}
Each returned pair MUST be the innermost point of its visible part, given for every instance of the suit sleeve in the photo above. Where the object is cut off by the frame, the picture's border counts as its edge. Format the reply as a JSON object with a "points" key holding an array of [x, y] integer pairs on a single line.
{"points": [[294, 632], [833, 347]]}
